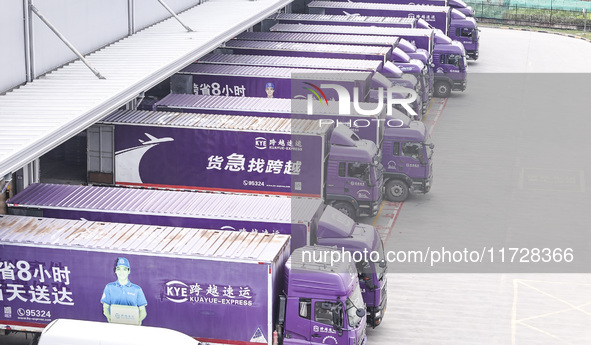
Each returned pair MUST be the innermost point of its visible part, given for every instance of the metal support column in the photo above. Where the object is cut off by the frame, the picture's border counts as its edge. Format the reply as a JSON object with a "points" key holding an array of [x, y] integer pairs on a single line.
{"points": [[130, 17], [28, 29]]}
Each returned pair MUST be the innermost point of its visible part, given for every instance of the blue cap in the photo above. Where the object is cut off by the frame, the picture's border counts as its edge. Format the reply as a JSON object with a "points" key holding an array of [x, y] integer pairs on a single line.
{"points": [[122, 262], [269, 85]]}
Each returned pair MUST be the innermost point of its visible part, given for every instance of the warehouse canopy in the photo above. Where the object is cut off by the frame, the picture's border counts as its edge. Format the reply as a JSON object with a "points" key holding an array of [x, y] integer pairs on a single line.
{"points": [[44, 113]]}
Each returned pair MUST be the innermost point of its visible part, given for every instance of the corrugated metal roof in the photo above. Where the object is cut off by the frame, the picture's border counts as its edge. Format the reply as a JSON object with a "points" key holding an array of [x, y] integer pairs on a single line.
{"points": [[378, 6], [319, 38], [291, 61], [263, 105], [308, 47], [78, 234], [350, 30], [169, 203], [46, 112], [273, 72], [252, 105], [217, 122], [343, 18]]}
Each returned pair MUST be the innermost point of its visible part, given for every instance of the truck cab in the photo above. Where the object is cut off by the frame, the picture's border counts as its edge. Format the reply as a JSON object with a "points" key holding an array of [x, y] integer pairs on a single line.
{"points": [[323, 302], [407, 157], [334, 229], [354, 180], [465, 30], [450, 68]]}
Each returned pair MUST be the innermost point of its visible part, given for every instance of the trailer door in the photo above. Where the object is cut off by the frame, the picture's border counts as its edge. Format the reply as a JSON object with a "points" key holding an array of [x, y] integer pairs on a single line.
{"points": [[100, 159]]}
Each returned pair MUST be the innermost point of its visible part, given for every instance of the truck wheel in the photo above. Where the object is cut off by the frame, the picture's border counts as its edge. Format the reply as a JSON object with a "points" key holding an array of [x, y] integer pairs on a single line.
{"points": [[346, 208], [442, 89], [396, 190]]}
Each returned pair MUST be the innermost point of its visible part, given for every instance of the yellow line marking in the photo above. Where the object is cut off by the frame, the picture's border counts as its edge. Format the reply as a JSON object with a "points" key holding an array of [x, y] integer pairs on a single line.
{"points": [[515, 322], [378, 215], [556, 298], [427, 113], [544, 332], [514, 312], [553, 313]]}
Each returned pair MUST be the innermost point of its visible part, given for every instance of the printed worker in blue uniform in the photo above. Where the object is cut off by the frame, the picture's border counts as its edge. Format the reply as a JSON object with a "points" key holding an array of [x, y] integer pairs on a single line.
{"points": [[123, 292], [270, 89]]}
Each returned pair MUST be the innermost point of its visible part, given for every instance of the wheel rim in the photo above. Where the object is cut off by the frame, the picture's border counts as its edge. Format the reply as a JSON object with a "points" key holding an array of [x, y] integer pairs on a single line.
{"points": [[344, 210], [396, 190], [442, 89]]}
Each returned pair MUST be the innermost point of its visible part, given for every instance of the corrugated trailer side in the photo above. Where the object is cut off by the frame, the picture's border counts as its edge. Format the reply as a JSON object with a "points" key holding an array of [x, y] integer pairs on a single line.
{"points": [[191, 279], [234, 154], [369, 127], [251, 213]]}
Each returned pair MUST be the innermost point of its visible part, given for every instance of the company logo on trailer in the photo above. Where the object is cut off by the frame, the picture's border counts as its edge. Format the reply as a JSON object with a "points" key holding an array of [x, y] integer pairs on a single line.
{"points": [[208, 293], [177, 291], [260, 143]]}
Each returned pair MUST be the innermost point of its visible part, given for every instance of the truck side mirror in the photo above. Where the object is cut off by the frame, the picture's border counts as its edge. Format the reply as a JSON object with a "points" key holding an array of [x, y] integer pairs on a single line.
{"points": [[282, 307], [360, 312]]}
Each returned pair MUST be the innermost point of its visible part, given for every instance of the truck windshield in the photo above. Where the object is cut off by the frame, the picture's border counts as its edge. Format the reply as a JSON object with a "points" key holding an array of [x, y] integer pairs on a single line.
{"points": [[454, 59], [353, 302]]}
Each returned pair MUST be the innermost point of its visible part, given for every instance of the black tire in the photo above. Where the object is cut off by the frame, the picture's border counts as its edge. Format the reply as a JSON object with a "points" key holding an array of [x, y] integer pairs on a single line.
{"points": [[396, 190], [442, 89], [346, 208]]}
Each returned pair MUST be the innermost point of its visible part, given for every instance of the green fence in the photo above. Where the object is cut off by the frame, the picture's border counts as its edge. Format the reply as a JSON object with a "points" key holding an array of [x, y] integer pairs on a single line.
{"points": [[551, 12]]}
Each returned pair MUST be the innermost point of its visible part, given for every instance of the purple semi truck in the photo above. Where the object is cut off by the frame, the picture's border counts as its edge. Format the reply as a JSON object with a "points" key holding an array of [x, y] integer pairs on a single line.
{"points": [[265, 81], [458, 5], [384, 54], [406, 171], [399, 179], [281, 82], [406, 46], [242, 154], [373, 66], [452, 22], [407, 158], [190, 280], [402, 60], [449, 57], [307, 220]]}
